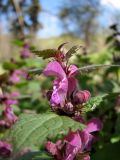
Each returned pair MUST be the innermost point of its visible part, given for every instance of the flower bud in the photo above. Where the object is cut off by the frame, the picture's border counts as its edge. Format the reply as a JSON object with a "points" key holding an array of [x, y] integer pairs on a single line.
{"points": [[5, 149], [81, 97]]}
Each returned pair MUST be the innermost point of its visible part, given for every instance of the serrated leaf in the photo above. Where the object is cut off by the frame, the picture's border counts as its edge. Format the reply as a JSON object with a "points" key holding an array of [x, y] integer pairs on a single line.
{"points": [[47, 53], [72, 51], [93, 103], [34, 156], [32, 130], [62, 45], [90, 68]]}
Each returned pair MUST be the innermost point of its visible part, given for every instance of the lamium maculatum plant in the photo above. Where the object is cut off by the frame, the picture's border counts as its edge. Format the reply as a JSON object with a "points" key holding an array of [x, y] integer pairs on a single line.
{"points": [[64, 131]]}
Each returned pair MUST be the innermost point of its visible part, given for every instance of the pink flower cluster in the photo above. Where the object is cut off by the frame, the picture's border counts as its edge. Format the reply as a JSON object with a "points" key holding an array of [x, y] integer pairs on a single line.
{"points": [[75, 144], [7, 120], [66, 99], [8, 116], [65, 95]]}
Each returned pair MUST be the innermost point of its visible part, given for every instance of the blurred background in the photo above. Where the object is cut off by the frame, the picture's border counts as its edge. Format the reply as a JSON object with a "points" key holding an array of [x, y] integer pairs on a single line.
{"points": [[49, 23]]}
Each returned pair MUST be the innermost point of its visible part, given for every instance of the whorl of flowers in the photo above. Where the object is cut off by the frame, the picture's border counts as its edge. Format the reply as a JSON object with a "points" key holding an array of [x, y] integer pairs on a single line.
{"points": [[8, 118], [25, 52], [65, 98]]}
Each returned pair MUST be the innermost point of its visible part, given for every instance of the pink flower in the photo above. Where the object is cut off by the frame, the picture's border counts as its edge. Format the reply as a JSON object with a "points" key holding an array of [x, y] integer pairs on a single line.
{"points": [[9, 98], [64, 84], [5, 149], [75, 144], [17, 75], [8, 117], [25, 53]]}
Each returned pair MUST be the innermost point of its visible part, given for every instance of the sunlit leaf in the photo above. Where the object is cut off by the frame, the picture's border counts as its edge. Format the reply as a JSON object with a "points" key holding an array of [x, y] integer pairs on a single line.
{"points": [[93, 103], [96, 102], [32, 130]]}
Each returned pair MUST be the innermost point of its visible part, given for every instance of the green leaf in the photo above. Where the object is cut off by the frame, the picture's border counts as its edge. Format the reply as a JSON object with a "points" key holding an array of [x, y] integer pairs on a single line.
{"points": [[35, 156], [9, 66], [61, 46], [72, 51], [18, 42], [93, 103], [109, 152], [32, 130], [3, 78], [35, 71], [47, 53], [96, 102]]}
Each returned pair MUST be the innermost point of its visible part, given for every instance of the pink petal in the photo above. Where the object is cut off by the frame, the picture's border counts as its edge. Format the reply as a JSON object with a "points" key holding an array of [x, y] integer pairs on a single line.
{"points": [[94, 125], [9, 116], [11, 102], [15, 94], [51, 148], [72, 84], [55, 98], [73, 70], [70, 152], [54, 69], [59, 92], [87, 157], [90, 142], [74, 139], [84, 139]]}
